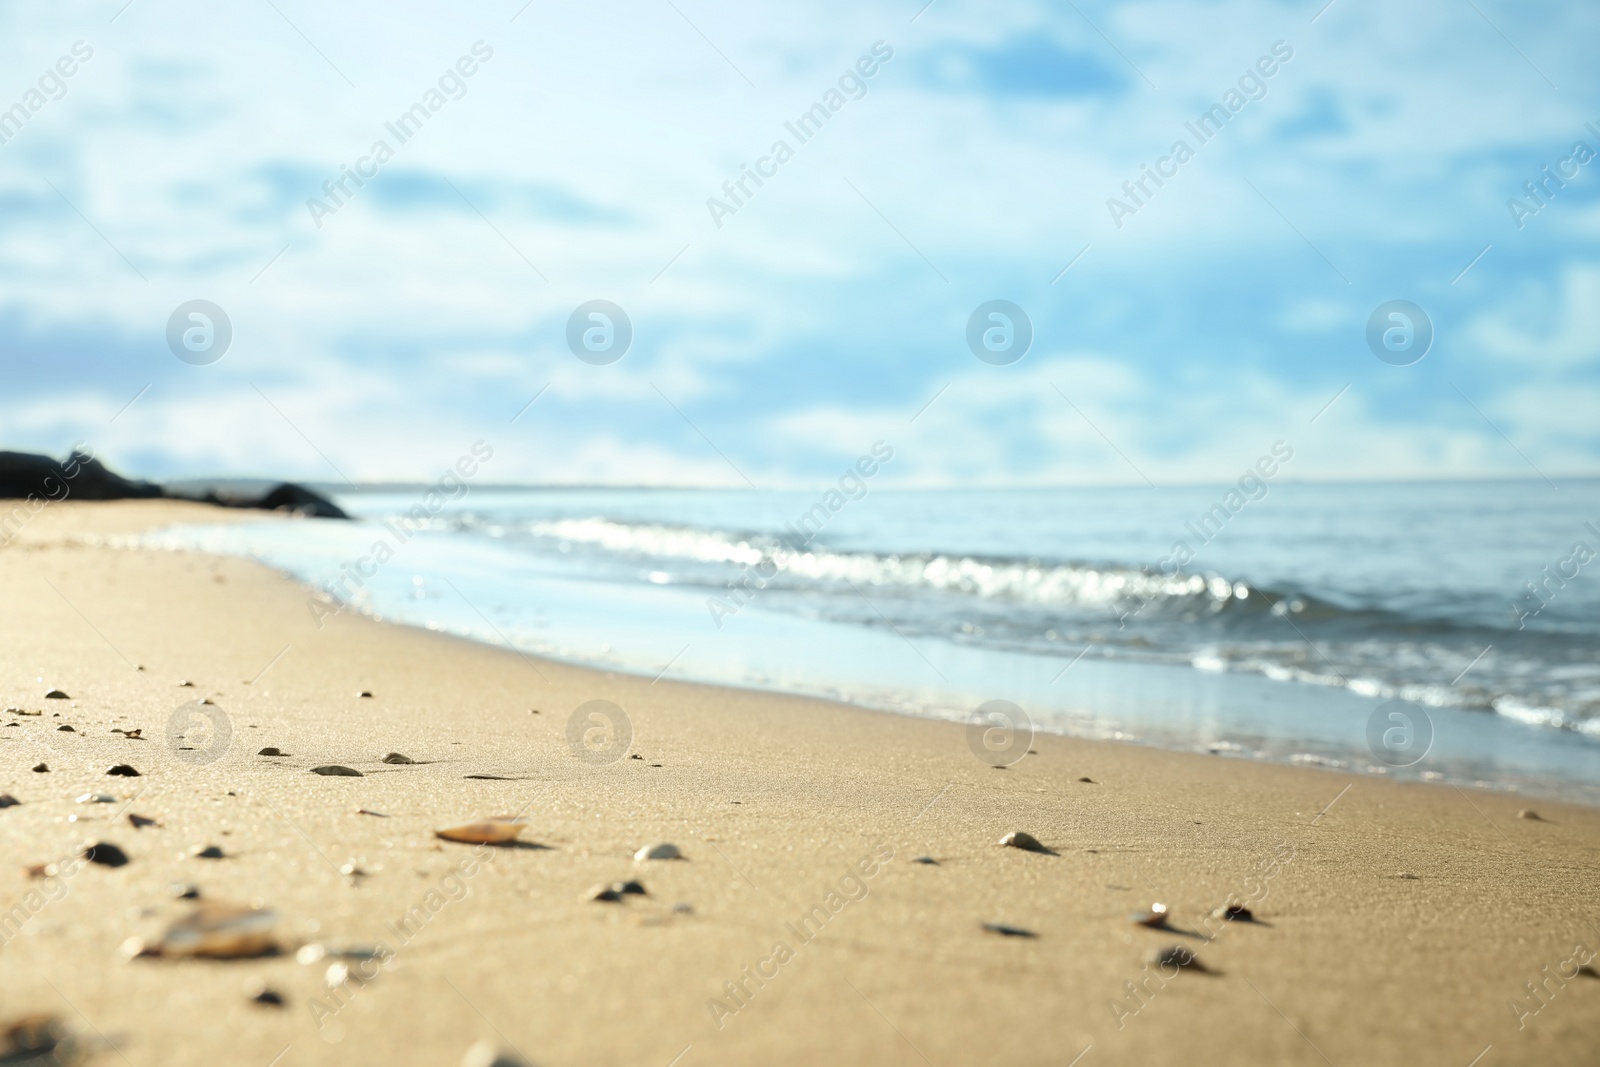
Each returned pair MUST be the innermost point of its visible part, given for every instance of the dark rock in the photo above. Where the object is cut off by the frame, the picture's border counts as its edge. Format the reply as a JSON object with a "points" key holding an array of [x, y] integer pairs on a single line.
{"points": [[210, 852], [41, 768], [56, 694], [123, 770], [336, 771], [8, 801], [105, 854], [64, 728], [269, 751], [1008, 931]]}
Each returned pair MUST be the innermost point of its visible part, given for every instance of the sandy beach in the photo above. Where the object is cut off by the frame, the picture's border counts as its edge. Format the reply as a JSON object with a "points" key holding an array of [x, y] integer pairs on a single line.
{"points": [[1394, 923]]}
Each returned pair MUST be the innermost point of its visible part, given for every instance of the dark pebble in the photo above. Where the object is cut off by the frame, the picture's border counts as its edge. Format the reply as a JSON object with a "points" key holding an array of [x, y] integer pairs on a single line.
{"points": [[1008, 931], [123, 770], [396, 757], [105, 854], [64, 728], [56, 694], [8, 801], [210, 852], [929, 860], [41, 768], [364, 694], [269, 751], [185, 892], [268, 998], [336, 771], [140, 821]]}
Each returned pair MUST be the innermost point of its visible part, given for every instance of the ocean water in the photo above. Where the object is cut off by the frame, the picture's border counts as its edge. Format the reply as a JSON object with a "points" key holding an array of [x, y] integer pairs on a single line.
{"points": [[1284, 622]]}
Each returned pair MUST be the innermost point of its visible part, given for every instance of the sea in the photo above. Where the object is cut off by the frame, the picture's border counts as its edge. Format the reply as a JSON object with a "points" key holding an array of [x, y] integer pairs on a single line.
{"points": [[1446, 632]]}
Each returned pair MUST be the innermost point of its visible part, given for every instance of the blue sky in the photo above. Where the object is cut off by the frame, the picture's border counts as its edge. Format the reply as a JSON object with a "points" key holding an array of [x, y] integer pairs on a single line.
{"points": [[576, 161]]}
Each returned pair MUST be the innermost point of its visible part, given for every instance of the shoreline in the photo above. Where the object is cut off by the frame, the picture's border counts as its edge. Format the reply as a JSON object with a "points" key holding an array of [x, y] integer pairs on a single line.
{"points": [[781, 803]]}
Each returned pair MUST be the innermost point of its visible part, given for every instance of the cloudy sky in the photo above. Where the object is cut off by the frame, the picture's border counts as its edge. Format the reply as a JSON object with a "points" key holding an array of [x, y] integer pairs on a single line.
{"points": [[377, 335]]}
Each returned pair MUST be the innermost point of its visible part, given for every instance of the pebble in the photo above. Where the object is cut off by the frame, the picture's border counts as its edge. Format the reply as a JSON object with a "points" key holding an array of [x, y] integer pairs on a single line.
{"points": [[8, 801], [66, 729], [40, 1039], [485, 1054], [1154, 917], [1173, 956], [1091, 781], [603, 892], [185, 685], [41, 768], [1008, 931], [662, 850], [141, 821], [214, 931], [123, 770], [268, 998], [929, 860], [1234, 913], [488, 832], [56, 694], [209, 852], [270, 751], [105, 854], [184, 891], [1023, 840], [336, 771], [1529, 813], [96, 798], [395, 757], [365, 693]]}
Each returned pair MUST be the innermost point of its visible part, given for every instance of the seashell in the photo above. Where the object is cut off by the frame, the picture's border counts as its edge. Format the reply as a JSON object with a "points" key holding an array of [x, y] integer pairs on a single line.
{"points": [[488, 832], [1529, 813], [41, 768], [270, 751], [1234, 913], [8, 801], [661, 850], [210, 852], [97, 798], [1155, 916], [105, 854], [485, 1054], [20, 711], [56, 694], [216, 931], [395, 757], [1173, 956], [1023, 840], [123, 770], [336, 771], [1008, 931], [66, 729]]}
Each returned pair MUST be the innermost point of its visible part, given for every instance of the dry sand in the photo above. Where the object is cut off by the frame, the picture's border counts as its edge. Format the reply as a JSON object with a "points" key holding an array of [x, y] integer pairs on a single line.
{"points": [[775, 801]]}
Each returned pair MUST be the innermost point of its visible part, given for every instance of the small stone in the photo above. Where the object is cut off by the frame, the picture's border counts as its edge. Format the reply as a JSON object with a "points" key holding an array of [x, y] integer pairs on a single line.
{"points": [[140, 822], [1154, 917], [487, 777], [485, 1054], [56, 694], [1023, 840], [929, 860], [636, 756], [8, 801], [395, 757], [185, 685], [268, 998], [184, 891], [41, 768], [270, 751], [365, 694], [1091, 781], [1529, 813], [630, 888], [123, 770], [96, 798], [105, 854], [1234, 913], [334, 770], [209, 852], [607, 893], [65, 729], [1174, 956], [662, 850], [1008, 931]]}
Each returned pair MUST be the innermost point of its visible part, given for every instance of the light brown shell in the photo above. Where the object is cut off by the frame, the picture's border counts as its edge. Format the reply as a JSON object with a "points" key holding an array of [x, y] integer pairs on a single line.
{"points": [[488, 832]]}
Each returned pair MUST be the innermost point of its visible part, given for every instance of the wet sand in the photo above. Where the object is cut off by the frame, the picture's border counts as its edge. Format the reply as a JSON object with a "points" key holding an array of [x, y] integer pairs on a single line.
{"points": [[1396, 923]]}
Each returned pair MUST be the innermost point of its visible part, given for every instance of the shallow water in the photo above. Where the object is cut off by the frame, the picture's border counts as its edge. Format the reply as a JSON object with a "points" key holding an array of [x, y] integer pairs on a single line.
{"points": [[1274, 622]]}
